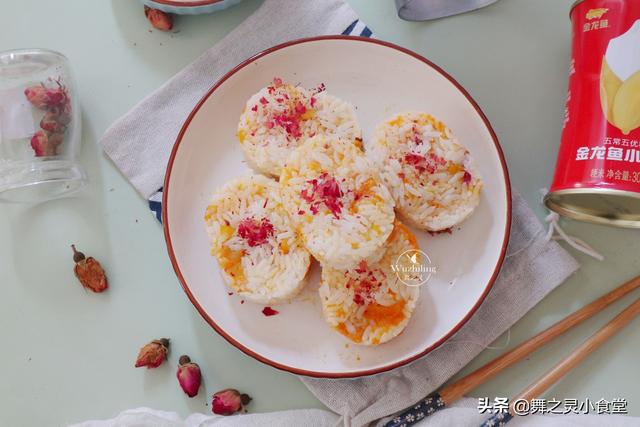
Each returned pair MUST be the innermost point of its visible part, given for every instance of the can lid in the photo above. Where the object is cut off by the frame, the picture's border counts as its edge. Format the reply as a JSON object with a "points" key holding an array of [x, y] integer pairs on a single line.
{"points": [[598, 205], [575, 3]]}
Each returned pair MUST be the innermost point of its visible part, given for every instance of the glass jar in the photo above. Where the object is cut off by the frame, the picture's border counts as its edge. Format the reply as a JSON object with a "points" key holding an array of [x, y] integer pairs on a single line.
{"points": [[39, 127]]}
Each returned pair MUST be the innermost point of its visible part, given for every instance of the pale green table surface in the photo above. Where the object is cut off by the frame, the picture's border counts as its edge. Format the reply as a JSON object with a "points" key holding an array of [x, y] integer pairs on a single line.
{"points": [[67, 355]]}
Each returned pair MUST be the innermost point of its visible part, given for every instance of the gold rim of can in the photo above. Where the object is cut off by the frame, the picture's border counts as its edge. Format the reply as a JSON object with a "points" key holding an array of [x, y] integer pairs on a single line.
{"points": [[558, 202]]}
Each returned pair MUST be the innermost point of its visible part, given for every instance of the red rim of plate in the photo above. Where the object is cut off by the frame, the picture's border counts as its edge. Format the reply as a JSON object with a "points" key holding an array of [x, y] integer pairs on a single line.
{"points": [[292, 369], [193, 3]]}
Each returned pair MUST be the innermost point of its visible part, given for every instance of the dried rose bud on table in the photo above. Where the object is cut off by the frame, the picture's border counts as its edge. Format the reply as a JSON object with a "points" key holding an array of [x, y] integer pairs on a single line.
{"points": [[89, 271], [159, 20], [229, 401], [153, 354], [189, 376]]}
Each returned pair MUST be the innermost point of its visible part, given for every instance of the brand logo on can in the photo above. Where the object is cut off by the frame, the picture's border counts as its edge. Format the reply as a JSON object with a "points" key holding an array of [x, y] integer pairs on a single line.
{"points": [[596, 13]]}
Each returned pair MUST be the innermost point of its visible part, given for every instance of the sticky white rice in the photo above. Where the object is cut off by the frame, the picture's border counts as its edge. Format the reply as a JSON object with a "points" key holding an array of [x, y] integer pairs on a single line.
{"points": [[337, 202], [369, 305], [260, 255], [281, 115], [431, 176]]}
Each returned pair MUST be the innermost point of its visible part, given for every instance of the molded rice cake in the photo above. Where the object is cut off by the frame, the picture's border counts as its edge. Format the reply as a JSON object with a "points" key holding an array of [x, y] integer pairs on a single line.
{"points": [[280, 116], [431, 176], [337, 202], [259, 253], [369, 304]]}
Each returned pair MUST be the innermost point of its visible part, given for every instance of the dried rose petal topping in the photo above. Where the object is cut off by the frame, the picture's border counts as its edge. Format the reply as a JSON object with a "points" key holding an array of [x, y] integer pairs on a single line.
{"points": [[189, 376], [153, 354], [229, 401], [362, 267], [255, 232], [268, 311], [324, 190], [365, 282], [291, 119], [422, 164], [417, 137]]}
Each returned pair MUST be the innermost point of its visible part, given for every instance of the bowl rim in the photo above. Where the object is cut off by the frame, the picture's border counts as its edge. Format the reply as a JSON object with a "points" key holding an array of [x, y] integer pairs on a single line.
{"points": [[192, 3], [305, 372]]}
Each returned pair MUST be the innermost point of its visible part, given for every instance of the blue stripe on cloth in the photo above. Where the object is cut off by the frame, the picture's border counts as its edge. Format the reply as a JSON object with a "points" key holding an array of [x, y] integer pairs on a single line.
{"points": [[357, 28], [350, 28], [366, 32], [156, 208]]}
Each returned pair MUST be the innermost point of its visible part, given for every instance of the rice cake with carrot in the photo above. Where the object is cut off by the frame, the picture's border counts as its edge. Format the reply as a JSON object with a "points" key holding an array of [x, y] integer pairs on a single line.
{"points": [[432, 177], [337, 201], [260, 256], [368, 304], [280, 116]]}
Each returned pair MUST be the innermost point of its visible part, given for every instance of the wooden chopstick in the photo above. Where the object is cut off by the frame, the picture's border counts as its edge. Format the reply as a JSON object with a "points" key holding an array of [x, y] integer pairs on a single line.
{"points": [[571, 361], [452, 392], [461, 387]]}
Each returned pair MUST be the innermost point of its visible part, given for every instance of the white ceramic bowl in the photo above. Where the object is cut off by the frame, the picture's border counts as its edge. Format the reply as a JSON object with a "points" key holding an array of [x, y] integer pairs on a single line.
{"points": [[379, 79], [190, 7]]}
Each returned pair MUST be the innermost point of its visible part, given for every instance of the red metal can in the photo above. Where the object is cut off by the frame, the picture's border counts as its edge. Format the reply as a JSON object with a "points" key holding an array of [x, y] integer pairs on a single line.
{"points": [[597, 175]]}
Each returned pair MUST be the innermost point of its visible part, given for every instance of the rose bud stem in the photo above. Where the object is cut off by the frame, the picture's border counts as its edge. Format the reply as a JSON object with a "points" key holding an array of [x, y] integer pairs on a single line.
{"points": [[189, 376], [153, 354]]}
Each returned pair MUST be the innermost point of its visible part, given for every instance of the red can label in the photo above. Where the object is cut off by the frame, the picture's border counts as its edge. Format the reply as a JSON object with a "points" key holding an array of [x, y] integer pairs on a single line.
{"points": [[600, 144]]}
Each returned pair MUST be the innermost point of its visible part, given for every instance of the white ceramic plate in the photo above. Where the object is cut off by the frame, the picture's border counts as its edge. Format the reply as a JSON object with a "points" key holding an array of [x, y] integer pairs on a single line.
{"points": [[379, 79]]}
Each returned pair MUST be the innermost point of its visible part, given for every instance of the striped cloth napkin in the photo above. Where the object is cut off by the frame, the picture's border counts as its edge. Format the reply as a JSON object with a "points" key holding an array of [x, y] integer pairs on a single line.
{"points": [[140, 148]]}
